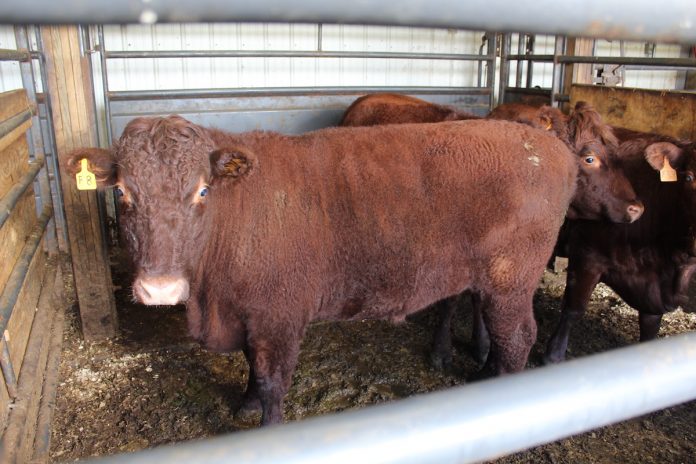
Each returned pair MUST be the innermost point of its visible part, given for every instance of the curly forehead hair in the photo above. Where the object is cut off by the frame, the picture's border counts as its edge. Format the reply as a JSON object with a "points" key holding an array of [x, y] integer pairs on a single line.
{"points": [[169, 140]]}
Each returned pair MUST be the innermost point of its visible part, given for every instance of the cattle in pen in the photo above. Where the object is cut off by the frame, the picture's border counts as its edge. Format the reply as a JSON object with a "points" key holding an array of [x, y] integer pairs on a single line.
{"points": [[261, 233]]}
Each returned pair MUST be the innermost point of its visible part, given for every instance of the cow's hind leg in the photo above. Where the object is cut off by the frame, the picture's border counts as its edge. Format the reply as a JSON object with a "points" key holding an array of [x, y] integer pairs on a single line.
{"points": [[251, 403], [649, 325], [441, 354], [510, 321], [479, 333]]}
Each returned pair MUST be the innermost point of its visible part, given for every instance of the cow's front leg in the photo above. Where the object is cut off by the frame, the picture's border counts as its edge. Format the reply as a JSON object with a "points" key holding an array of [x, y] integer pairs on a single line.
{"points": [[273, 352], [580, 282], [649, 325]]}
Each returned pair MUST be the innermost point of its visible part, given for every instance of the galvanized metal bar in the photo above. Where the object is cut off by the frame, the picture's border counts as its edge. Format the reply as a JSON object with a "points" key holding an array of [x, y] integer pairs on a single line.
{"points": [[14, 284], [674, 20], [558, 69], [105, 83], [14, 122], [161, 54], [471, 423], [621, 60], [532, 57], [490, 72], [627, 60], [42, 187], [52, 154], [8, 371], [288, 91], [504, 67], [9, 201], [14, 55]]}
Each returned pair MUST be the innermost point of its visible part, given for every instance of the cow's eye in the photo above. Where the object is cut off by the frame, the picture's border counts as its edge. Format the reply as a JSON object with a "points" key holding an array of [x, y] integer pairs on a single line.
{"points": [[118, 191], [203, 192], [589, 159], [689, 177]]}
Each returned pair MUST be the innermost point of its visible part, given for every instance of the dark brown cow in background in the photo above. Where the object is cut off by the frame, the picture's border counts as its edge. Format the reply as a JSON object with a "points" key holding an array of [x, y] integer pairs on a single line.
{"points": [[391, 108], [648, 263], [260, 233]]}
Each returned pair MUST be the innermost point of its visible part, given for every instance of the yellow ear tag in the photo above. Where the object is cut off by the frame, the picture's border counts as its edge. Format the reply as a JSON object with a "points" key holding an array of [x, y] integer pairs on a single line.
{"points": [[85, 178], [667, 173]]}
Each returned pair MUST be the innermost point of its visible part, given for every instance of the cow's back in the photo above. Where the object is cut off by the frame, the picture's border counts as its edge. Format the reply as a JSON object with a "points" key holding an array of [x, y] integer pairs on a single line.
{"points": [[382, 221], [388, 108]]}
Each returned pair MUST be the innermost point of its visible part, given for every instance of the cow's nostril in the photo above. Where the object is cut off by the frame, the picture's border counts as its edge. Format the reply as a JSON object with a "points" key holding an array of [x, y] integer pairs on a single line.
{"points": [[634, 211]]}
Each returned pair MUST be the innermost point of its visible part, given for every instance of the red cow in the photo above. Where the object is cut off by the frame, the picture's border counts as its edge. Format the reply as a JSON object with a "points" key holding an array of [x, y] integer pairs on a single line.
{"points": [[391, 108], [648, 263], [261, 233], [603, 190]]}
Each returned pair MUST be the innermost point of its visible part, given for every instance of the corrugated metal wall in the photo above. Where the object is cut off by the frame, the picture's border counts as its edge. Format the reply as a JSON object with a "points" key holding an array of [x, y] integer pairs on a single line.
{"points": [[141, 74], [10, 77]]}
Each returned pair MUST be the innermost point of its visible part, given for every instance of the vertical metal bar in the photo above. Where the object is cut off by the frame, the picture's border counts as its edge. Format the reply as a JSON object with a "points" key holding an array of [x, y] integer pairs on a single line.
{"points": [[557, 82], [530, 64], [42, 188], [7, 369], [320, 36], [521, 39], [492, 39], [52, 157], [504, 67], [105, 84]]}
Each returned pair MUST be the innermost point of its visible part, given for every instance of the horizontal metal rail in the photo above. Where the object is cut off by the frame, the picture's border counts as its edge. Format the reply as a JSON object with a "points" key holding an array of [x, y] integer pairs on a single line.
{"points": [[157, 54], [628, 60], [287, 91], [9, 201], [620, 60], [14, 284], [14, 122], [472, 423], [14, 55], [673, 20]]}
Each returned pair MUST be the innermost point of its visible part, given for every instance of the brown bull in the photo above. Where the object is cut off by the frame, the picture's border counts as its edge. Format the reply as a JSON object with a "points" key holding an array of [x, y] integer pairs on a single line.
{"points": [[260, 233]]}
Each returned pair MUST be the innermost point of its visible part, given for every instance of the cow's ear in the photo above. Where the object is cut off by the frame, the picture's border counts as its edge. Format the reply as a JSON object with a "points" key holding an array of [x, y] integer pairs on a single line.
{"points": [[657, 153], [233, 162], [99, 161]]}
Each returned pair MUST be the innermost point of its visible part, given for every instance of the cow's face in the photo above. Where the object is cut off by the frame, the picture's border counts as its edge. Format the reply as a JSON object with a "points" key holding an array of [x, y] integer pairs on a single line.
{"points": [[681, 158], [603, 190], [163, 172]]}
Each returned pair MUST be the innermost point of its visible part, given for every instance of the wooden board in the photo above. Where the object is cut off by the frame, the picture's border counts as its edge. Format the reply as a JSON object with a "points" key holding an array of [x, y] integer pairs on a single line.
{"points": [[19, 325], [14, 232], [69, 82], [667, 113], [13, 102], [14, 163]]}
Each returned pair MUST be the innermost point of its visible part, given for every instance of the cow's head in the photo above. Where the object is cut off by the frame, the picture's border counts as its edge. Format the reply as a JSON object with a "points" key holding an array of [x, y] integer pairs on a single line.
{"points": [[681, 157], [603, 191], [163, 172]]}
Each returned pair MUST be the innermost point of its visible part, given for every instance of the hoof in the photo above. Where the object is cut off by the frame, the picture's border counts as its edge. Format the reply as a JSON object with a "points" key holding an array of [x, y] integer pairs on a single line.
{"points": [[549, 359], [250, 411], [441, 363]]}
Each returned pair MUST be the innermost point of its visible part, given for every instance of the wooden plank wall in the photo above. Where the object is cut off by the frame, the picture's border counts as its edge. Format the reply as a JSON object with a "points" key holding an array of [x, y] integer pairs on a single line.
{"points": [[70, 87], [662, 112], [14, 158]]}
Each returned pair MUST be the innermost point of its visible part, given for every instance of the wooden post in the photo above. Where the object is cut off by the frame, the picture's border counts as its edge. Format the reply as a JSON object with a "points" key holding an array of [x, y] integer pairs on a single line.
{"points": [[578, 73], [72, 100]]}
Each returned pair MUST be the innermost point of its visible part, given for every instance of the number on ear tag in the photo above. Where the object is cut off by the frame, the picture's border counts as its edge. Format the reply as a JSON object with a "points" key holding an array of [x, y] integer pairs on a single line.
{"points": [[667, 173], [85, 178]]}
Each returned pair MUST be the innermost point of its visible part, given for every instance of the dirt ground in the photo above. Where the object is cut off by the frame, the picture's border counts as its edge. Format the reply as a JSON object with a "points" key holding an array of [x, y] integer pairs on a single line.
{"points": [[153, 385]]}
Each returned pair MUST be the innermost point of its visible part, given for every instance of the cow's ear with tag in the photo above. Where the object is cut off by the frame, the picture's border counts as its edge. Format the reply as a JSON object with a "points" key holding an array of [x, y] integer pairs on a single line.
{"points": [[92, 167], [664, 157], [235, 162]]}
